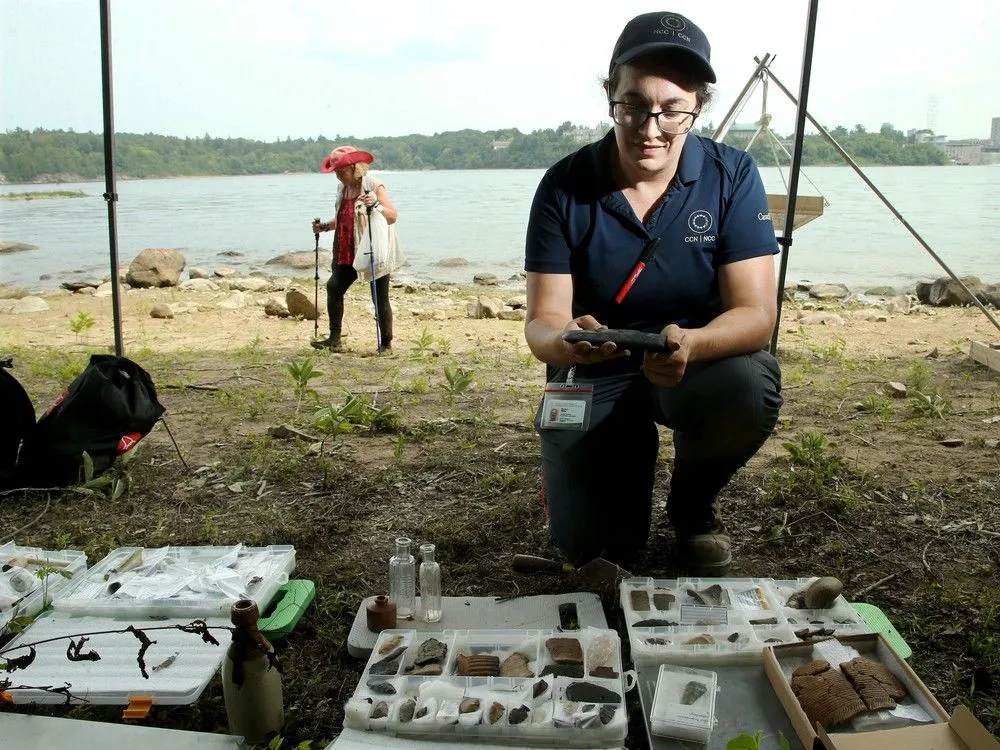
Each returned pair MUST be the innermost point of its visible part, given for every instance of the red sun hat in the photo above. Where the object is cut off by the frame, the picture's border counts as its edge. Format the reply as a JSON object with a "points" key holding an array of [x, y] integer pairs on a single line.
{"points": [[344, 156]]}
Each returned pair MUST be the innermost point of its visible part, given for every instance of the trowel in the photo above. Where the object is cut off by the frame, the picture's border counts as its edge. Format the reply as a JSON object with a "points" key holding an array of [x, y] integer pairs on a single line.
{"points": [[598, 572]]}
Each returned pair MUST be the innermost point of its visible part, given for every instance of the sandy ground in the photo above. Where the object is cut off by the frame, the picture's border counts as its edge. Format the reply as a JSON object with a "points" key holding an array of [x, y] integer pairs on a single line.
{"points": [[202, 323]]}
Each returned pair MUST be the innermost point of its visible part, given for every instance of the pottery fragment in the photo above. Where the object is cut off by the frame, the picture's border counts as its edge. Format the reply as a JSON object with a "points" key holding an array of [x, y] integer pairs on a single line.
{"points": [[692, 692], [406, 710], [390, 643]]}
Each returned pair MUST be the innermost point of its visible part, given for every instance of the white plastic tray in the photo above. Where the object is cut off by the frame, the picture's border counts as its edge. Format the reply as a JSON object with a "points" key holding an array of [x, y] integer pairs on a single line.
{"points": [[179, 664], [721, 620], [548, 707], [178, 581], [32, 577]]}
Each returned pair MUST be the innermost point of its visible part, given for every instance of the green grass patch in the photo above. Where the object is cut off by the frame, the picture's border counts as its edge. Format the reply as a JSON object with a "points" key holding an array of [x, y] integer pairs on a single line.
{"points": [[35, 195]]}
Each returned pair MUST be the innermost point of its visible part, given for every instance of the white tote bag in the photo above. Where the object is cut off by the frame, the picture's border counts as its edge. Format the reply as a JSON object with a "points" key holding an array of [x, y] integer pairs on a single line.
{"points": [[379, 244]]}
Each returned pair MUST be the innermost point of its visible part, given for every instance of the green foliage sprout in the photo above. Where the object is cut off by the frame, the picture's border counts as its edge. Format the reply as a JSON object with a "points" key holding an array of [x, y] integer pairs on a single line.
{"points": [[457, 379], [82, 322], [356, 412]]}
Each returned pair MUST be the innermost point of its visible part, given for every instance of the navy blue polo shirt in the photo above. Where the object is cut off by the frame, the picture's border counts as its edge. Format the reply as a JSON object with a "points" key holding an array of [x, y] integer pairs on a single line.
{"points": [[580, 223]]}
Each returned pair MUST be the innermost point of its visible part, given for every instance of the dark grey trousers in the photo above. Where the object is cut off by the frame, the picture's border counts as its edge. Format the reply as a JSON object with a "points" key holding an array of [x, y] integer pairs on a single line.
{"points": [[336, 287], [599, 483]]}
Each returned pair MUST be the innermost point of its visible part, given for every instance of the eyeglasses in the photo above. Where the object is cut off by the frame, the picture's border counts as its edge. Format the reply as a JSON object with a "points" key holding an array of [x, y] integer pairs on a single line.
{"points": [[670, 122]]}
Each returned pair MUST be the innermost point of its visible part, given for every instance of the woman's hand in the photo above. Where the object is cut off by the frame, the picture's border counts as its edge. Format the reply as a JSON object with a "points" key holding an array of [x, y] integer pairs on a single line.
{"points": [[585, 353], [368, 199], [667, 368]]}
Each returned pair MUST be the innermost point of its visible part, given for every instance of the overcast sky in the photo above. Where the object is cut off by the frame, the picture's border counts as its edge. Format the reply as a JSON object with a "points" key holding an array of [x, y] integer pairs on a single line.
{"points": [[267, 69]]}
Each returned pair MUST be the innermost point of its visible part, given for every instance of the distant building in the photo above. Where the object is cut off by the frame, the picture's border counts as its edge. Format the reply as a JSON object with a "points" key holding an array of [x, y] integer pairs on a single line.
{"points": [[921, 136], [976, 151], [745, 129], [972, 152], [500, 145], [581, 134]]}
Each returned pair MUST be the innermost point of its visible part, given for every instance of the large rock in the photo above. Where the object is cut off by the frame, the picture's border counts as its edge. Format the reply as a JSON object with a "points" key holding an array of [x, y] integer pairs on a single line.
{"points": [[299, 305], [829, 291], [516, 303], [7, 246], [518, 314], [991, 295], [484, 279], [277, 307], [161, 310], [452, 262], [234, 301], [821, 319], [199, 285], [945, 291], [302, 260], [156, 267], [75, 286], [250, 284], [28, 305], [197, 272], [12, 292], [922, 291], [901, 304], [881, 291], [484, 307]]}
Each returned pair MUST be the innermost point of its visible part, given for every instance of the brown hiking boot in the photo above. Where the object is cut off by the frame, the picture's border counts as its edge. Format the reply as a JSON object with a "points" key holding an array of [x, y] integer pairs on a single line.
{"points": [[706, 555], [331, 343]]}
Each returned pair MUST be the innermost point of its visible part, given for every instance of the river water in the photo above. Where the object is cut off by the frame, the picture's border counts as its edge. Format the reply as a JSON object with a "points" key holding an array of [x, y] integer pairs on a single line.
{"points": [[480, 215]]}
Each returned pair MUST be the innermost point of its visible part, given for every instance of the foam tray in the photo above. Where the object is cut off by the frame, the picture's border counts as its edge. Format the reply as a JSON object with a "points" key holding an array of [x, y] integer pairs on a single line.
{"points": [[722, 620], [547, 708], [178, 581], [32, 578]]}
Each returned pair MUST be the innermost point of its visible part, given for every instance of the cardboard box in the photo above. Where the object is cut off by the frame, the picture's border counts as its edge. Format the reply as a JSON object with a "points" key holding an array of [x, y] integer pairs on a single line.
{"points": [[959, 732]]}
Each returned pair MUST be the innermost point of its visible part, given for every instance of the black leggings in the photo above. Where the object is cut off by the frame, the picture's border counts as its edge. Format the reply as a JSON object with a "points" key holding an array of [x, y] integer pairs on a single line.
{"points": [[599, 483], [336, 287]]}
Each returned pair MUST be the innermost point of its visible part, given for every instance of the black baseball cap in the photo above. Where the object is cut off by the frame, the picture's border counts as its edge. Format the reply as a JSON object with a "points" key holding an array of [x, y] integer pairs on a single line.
{"points": [[665, 32]]}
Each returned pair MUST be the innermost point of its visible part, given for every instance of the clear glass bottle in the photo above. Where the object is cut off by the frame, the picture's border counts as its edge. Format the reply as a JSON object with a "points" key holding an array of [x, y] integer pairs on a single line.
{"points": [[430, 585], [403, 579]]}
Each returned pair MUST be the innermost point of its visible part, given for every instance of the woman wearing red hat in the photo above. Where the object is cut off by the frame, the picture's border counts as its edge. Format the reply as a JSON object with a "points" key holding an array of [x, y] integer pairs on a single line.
{"points": [[358, 190]]}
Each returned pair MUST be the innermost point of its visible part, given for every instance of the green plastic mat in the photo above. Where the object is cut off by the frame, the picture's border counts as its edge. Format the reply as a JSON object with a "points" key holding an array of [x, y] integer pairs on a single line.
{"points": [[285, 610], [879, 623]]}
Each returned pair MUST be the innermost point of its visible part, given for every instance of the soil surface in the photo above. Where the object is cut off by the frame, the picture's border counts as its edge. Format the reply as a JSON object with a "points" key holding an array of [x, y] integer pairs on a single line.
{"points": [[899, 497]]}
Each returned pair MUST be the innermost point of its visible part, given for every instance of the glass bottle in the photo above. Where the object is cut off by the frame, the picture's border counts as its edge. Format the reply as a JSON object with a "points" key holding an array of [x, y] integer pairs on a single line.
{"points": [[402, 579], [430, 585]]}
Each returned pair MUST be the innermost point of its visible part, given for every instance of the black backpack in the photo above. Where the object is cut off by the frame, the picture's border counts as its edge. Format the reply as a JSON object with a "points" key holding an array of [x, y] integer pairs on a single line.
{"points": [[18, 421], [105, 411]]}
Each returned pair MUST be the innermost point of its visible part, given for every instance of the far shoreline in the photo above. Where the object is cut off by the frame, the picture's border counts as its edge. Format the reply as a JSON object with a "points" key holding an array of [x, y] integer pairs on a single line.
{"points": [[77, 179]]}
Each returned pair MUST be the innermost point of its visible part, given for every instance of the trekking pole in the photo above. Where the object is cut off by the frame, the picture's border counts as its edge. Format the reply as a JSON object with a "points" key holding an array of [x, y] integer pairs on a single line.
{"points": [[371, 266], [316, 286]]}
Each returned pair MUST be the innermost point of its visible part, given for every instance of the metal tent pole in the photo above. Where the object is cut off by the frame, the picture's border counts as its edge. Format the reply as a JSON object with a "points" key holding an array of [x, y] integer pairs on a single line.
{"points": [[793, 181], [110, 196], [853, 165]]}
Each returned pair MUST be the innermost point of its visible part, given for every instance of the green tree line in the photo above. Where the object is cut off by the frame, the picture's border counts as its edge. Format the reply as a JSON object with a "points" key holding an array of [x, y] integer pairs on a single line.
{"points": [[64, 155]]}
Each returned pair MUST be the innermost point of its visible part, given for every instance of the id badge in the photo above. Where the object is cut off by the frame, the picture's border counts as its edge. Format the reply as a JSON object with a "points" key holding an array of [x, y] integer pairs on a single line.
{"points": [[566, 406]]}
